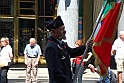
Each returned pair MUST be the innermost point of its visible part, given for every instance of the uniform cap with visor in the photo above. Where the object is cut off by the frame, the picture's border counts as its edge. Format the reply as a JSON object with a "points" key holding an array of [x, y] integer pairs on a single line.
{"points": [[53, 24]]}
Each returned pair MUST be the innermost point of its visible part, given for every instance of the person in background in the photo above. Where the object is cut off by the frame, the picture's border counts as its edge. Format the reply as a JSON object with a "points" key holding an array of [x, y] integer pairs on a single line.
{"points": [[32, 54], [118, 52], [101, 79], [58, 53], [5, 59], [78, 59]]}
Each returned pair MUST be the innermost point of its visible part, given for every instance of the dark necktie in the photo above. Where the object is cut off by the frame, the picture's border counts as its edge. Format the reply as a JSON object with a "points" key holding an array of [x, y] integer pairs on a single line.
{"points": [[32, 47]]}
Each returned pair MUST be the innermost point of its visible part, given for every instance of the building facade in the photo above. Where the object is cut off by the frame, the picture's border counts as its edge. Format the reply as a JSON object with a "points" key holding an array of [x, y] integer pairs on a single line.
{"points": [[23, 19]]}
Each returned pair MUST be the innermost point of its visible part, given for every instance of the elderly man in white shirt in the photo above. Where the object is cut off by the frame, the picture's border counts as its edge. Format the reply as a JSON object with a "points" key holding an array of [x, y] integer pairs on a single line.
{"points": [[118, 52], [5, 59], [32, 56]]}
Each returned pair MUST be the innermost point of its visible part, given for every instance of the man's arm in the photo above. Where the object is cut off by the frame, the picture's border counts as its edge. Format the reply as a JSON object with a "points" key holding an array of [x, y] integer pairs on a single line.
{"points": [[92, 68], [89, 56], [25, 55], [38, 55], [113, 52]]}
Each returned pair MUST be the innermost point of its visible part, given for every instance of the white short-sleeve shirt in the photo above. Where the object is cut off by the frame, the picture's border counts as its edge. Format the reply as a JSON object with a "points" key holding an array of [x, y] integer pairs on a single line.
{"points": [[5, 53], [119, 47]]}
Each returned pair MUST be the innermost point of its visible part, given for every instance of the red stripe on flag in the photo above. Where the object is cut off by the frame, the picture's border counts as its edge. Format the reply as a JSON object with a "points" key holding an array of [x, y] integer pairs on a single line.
{"points": [[103, 41]]}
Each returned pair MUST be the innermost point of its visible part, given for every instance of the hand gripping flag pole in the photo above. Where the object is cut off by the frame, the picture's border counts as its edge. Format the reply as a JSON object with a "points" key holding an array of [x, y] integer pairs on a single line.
{"points": [[85, 52]]}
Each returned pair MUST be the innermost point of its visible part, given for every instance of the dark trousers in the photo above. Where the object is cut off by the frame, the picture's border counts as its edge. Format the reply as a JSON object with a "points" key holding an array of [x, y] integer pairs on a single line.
{"points": [[80, 74], [3, 75]]}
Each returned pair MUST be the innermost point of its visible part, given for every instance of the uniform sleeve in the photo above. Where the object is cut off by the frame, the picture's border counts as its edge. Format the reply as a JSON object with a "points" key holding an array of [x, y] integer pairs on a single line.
{"points": [[54, 66], [73, 52]]}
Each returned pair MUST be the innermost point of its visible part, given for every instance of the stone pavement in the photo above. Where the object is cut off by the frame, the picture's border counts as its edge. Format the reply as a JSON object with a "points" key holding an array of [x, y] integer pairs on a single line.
{"points": [[17, 75]]}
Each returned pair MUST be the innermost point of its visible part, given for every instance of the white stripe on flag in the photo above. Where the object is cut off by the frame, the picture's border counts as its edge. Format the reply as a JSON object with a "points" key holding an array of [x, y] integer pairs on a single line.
{"points": [[118, 1], [97, 30]]}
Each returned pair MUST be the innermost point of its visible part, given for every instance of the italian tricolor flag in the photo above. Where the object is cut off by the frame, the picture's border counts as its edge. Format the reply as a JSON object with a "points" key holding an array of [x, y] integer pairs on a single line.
{"points": [[104, 36]]}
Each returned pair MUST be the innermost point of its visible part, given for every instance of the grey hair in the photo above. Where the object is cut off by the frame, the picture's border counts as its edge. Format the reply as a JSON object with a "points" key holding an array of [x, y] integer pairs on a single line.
{"points": [[121, 32], [32, 39]]}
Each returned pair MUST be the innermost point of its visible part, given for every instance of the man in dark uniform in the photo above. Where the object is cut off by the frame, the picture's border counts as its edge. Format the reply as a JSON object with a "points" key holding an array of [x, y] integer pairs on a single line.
{"points": [[58, 53]]}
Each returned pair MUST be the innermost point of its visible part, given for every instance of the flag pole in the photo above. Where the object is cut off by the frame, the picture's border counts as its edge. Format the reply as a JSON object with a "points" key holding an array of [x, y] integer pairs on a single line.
{"points": [[85, 52]]}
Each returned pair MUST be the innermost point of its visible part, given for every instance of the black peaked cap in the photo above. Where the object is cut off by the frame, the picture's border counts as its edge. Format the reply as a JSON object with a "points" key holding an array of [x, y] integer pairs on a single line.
{"points": [[53, 24]]}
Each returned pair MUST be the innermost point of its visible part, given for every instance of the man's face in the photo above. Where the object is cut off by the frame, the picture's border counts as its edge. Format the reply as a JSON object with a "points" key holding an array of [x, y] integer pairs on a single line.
{"points": [[122, 36], [32, 43], [60, 32]]}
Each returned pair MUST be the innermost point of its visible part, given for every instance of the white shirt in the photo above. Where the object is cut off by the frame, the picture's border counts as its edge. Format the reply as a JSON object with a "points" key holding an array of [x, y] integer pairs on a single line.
{"points": [[119, 47], [5, 53]]}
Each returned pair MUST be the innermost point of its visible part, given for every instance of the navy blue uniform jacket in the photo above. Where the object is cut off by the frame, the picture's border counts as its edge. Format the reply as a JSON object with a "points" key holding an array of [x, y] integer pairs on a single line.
{"points": [[58, 60]]}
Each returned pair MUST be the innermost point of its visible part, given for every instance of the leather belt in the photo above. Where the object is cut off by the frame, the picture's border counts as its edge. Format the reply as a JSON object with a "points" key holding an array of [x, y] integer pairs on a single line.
{"points": [[32, 57]]}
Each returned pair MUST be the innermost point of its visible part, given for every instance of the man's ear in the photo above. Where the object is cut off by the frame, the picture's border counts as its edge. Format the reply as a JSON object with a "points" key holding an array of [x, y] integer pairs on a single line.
{"points": [[53, 30]]}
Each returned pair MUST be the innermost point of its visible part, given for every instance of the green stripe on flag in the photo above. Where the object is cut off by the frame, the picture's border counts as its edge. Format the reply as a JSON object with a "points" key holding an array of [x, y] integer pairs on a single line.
{"points": [[110, 0], [110, 5]]}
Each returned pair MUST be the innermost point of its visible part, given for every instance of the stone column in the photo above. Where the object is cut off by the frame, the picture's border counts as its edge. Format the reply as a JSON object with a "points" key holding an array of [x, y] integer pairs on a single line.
{"points": [[70, 19], [121, 22], [121, 28]]}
